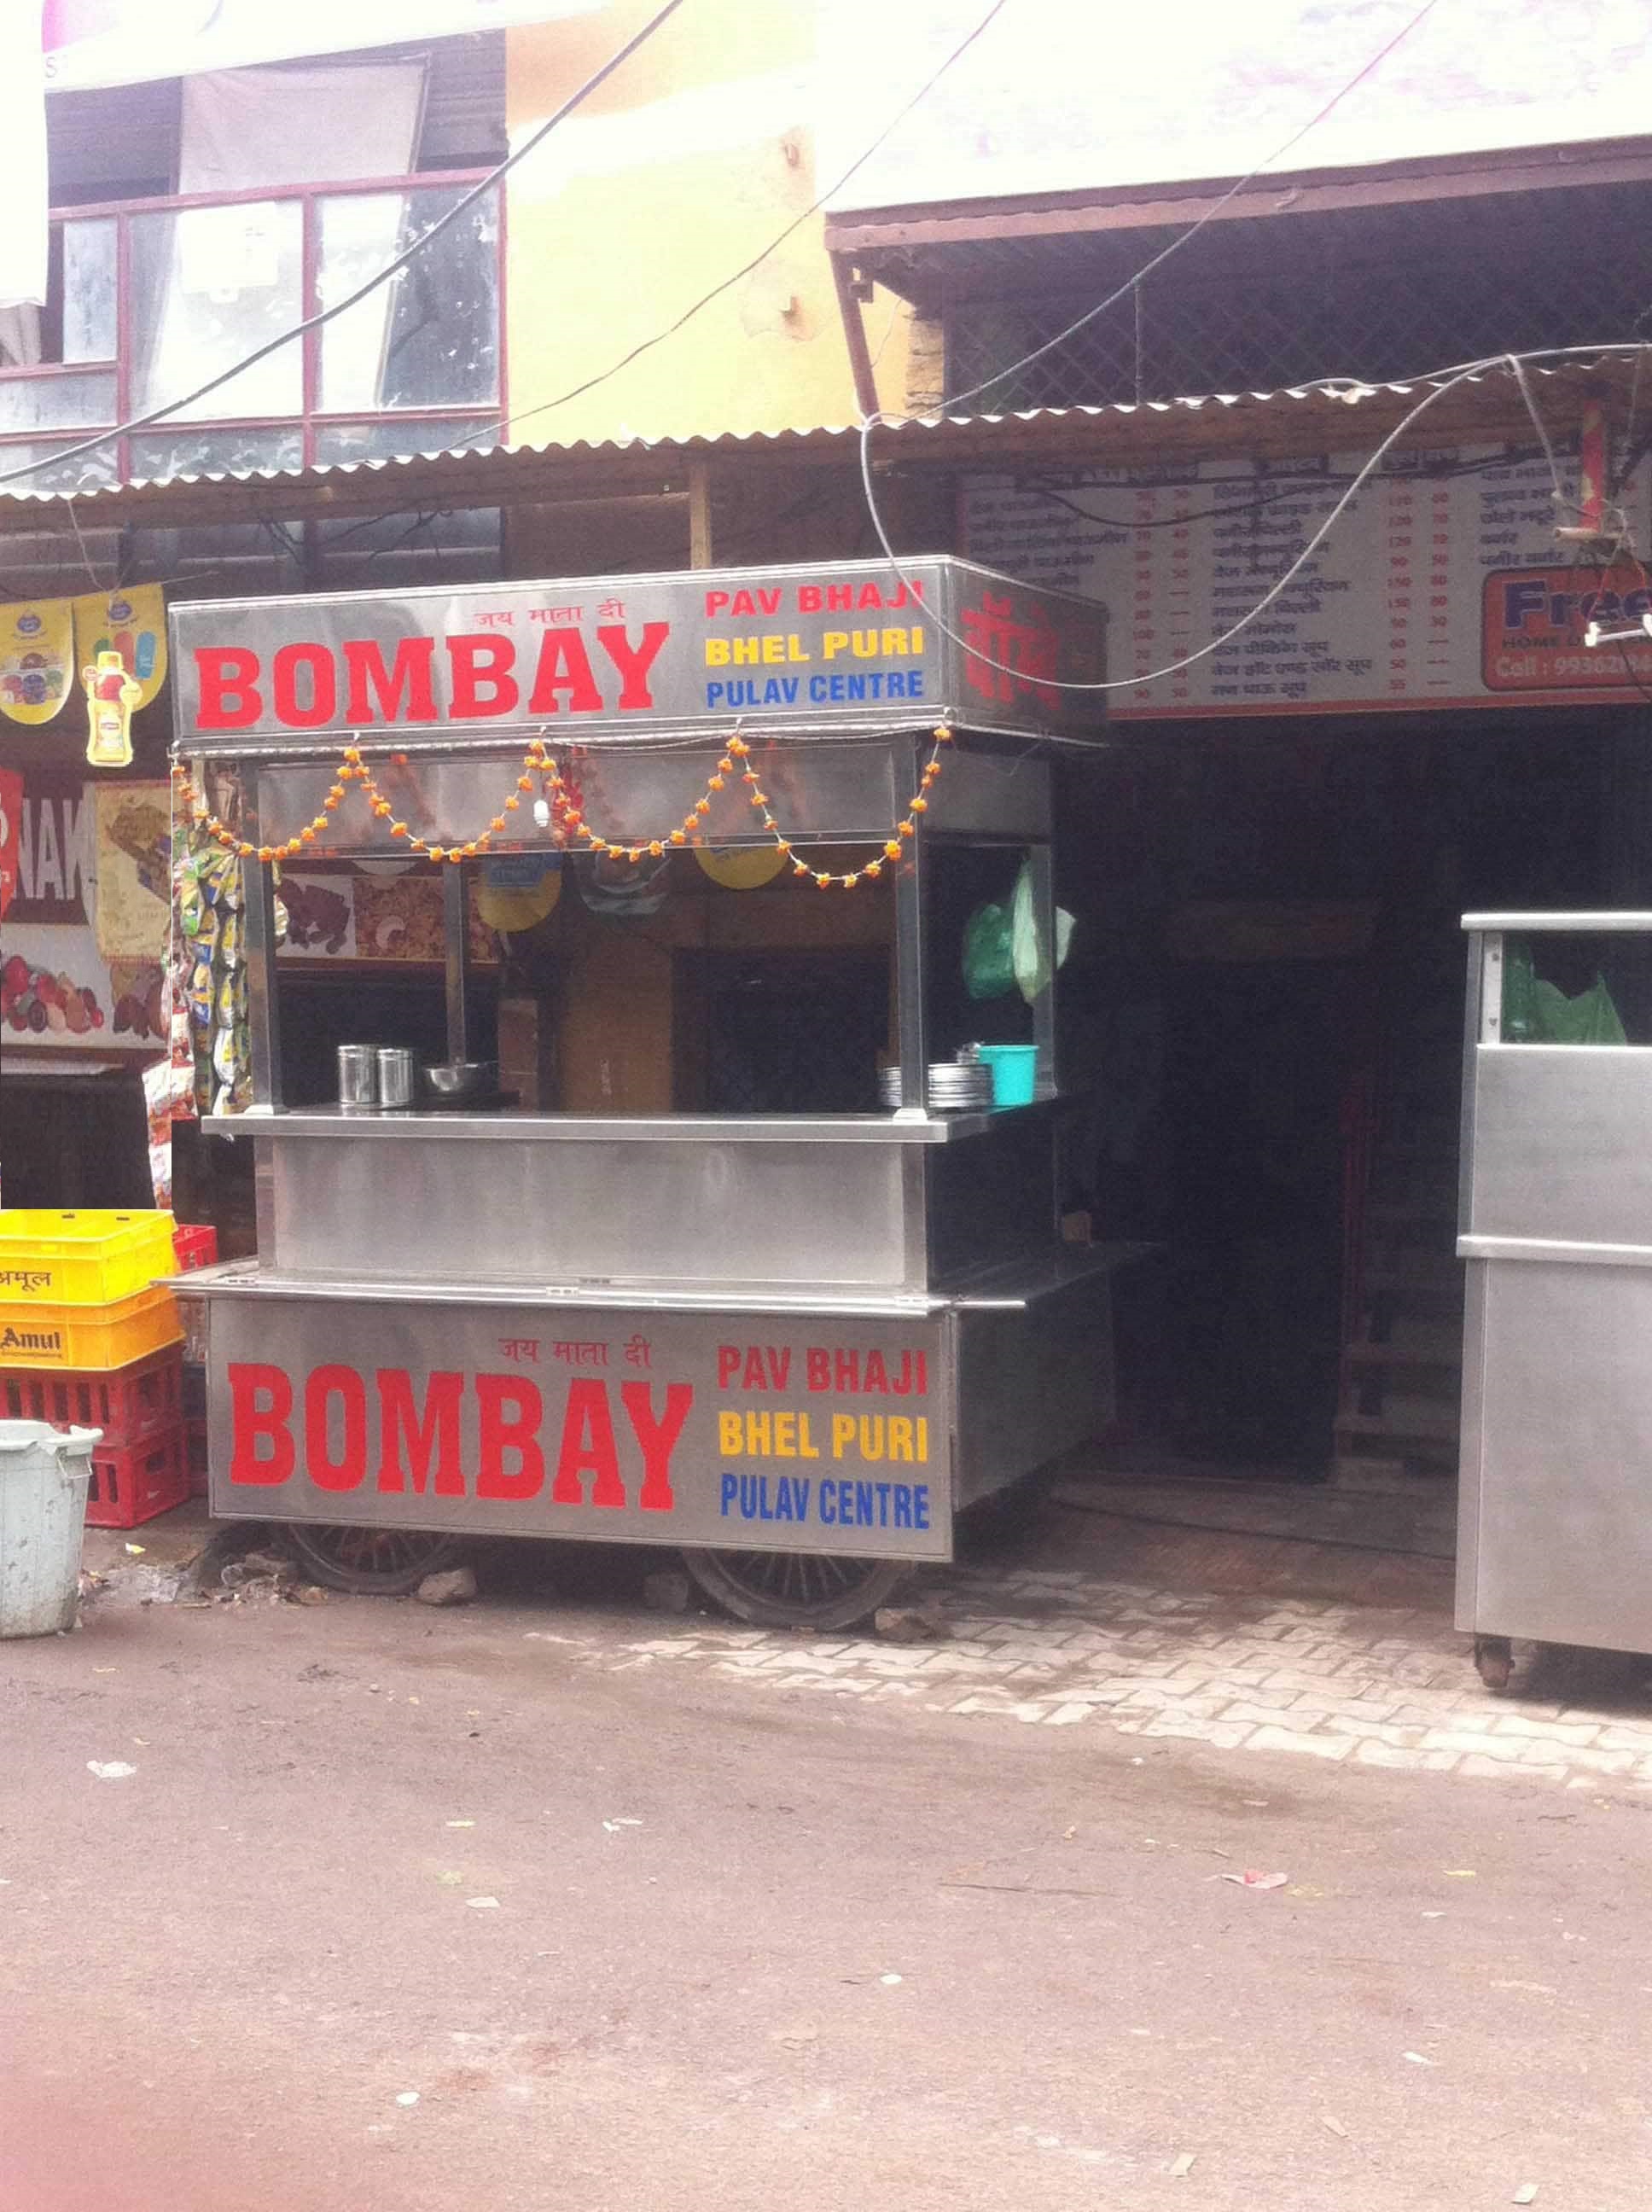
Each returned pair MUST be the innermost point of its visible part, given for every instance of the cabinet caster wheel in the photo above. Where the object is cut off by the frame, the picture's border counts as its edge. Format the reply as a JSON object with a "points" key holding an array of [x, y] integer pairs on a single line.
{"points": [[1494, 1660]]}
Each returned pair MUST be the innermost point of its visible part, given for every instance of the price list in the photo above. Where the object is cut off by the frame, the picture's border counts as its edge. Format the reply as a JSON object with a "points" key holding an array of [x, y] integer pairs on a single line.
{"points": [[1391, 609]]}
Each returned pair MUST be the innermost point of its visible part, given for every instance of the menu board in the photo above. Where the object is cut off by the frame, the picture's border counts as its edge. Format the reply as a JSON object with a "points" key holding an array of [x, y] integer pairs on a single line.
{"points": [[1440, 584]]}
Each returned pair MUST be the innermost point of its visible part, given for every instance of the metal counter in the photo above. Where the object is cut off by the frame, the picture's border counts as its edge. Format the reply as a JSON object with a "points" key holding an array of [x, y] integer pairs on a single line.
{"points": [[797, 1334], [853, 1202], [801, 1424], [1555, 1502]]}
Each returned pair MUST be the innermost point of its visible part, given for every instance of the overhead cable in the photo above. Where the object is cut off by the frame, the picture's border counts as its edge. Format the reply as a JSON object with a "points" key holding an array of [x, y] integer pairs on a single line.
{"points": [[1437, 390], [1184, 237], [670, 330]]}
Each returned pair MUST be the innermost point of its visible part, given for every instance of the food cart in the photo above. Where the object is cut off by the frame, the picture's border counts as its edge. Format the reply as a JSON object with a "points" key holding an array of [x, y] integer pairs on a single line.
{"points": [[790, 1345], [1554, 1537]]}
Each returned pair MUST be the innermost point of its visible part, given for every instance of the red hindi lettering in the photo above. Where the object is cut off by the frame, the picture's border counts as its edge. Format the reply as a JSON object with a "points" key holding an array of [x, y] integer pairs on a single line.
{"points": [[1005, 656]]}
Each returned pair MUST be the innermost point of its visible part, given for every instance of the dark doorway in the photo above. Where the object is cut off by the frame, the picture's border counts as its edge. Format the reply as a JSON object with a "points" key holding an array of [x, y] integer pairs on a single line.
{"points": [[1265, 1005]]}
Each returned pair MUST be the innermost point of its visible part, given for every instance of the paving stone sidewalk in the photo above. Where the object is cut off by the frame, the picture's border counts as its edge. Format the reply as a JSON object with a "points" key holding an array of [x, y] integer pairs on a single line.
{"points": [[1377, 1688]]}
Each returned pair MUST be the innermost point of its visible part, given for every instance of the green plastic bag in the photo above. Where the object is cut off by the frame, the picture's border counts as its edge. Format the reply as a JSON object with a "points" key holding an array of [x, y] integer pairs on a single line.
{"points": [[1028, 948], [988, 955], [1004, 950], [1536, 1013]]}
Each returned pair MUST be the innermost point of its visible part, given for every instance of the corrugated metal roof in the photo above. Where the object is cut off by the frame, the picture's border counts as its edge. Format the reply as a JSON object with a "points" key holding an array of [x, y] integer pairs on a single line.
{"points": [[1326, 409]]}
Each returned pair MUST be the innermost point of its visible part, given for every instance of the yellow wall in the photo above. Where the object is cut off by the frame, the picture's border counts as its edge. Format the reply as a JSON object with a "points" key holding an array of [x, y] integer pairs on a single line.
{"points": [[674, 173]]}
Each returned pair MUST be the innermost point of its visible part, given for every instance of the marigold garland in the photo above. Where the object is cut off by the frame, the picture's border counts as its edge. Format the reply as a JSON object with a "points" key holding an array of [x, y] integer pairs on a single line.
{"points": [[568, 816]]}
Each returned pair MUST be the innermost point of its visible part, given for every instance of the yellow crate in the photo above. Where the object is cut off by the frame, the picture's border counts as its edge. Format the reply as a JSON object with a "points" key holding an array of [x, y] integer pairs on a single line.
{"points": [[89, 1336], [84, 1258]]}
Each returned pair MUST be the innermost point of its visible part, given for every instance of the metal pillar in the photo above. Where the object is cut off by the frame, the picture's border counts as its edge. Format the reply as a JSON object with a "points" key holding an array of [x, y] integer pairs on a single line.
{"points": [[910, 939], [455, 920], [263, 1004]]}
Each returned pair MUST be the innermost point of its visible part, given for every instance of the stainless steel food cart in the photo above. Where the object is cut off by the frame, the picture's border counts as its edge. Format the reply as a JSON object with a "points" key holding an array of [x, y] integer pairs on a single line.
{"points": [[1554, 1537], [793, 1347]]}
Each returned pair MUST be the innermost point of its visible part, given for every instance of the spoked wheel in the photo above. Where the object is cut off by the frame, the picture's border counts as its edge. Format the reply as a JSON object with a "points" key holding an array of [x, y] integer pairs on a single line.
{"points": [[795, 1589], [370, 1562]]}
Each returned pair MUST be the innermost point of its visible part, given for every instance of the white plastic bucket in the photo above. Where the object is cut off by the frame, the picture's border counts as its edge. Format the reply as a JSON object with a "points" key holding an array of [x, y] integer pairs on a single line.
{"points": [[44, 1473]]}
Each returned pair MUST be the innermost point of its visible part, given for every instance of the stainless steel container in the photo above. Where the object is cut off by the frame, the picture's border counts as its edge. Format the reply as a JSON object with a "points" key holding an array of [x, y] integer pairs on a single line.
{"points": [[358, 1075], [397, 1075]]}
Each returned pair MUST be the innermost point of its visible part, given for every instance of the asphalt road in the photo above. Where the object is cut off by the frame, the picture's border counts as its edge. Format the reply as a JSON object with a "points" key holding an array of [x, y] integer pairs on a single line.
{"points": [[763, 1954]]}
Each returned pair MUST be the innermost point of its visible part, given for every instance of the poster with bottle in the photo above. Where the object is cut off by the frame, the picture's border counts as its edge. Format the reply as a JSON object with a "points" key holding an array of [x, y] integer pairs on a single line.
{"points": [[132, 623]]}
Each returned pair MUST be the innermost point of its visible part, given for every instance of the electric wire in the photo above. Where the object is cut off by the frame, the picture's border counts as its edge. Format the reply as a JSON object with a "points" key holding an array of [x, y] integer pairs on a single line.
{"points": [[1541, 428], [409, 253], [1286, 488], [1185, 237], [1437, 390]]}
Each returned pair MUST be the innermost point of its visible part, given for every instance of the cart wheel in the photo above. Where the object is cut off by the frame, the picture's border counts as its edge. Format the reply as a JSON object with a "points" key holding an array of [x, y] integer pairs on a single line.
{"points": [[1494, 1660], [796, 1589], [370, 1562]]}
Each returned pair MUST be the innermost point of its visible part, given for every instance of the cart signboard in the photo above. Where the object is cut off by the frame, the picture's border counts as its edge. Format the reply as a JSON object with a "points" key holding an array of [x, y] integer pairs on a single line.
{"points": [[814, 1434], [847, 643]]}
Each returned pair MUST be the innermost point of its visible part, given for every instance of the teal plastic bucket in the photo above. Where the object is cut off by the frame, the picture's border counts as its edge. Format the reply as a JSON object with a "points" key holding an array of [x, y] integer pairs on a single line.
{"points": [[1015, 1071], [44, 1474]]}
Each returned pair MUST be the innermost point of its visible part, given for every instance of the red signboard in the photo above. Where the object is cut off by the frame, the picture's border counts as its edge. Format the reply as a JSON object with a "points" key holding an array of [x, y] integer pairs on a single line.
{"points": [[11, 815], [1533, 621], [50, 841]]}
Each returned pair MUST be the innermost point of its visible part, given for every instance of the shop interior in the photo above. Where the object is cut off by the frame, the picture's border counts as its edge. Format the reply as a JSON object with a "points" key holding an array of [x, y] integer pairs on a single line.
{"points": [[698, 984], [1264, 1017]]}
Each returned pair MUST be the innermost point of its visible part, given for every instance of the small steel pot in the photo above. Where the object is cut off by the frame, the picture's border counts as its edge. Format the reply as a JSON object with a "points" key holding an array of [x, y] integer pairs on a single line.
{"points": [[397, 1072], [451, 1080], [358, 1075]]}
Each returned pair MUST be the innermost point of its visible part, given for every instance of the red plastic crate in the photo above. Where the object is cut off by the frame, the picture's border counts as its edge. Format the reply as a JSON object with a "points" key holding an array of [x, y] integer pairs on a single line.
{"points": [[196, 1247], [129, 1404], [134, 1485]]}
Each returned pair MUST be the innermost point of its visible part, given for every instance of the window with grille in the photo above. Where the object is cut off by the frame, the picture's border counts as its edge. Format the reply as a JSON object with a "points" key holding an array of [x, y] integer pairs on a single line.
{"points": [[1255, 305]]}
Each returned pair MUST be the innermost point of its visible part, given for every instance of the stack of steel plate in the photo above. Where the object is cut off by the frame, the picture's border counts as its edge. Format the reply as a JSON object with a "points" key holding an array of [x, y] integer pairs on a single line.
{"points": [[955, 1087]]}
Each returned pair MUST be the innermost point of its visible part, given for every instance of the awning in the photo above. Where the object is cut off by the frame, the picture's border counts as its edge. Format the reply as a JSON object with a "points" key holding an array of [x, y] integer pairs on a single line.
{"points": [[1485, 408]]}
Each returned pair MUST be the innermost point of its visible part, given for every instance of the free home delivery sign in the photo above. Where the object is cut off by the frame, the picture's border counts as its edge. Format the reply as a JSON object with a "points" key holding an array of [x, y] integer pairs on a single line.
{"points": [[849, 641]]}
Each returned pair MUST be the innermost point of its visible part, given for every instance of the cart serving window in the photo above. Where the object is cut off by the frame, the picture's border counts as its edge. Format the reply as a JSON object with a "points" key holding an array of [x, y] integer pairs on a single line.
{"points": [[694, 1200]]}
